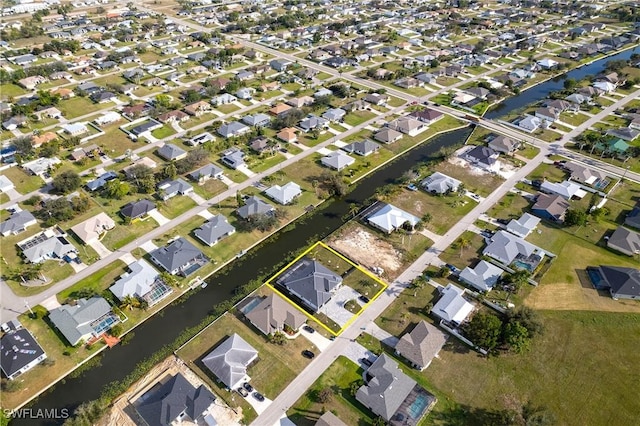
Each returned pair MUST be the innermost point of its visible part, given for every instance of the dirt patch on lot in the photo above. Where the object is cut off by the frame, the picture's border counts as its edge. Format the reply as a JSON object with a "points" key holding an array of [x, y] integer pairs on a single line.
{"points": [[367, 249]]}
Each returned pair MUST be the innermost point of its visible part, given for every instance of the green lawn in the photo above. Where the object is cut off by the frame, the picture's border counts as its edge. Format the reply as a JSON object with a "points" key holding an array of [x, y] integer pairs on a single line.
{"points": [[407, 310], [529, 151], [572, 365], [175, 206], [24, 183], [276, 367], [209, 188], [262, 164], [358, 117], [11, 91], [97, 281], [445, 210], [115, 142], [163, 132], [122, 234], [511, 206], [338, 377], [365, 165], [78, 106], [482, 184], [461, 257]]}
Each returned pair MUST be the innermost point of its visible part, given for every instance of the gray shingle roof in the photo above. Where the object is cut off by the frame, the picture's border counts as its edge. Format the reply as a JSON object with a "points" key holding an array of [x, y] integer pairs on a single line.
{"points": [[176, 255], [273, 313], [422, 344], [16, 223], [311, 281], [387, 388], [624, 282], [137, 209], [214, 229], [18, 348], [625, 240], [253, 206], [170, 151], [74, 321], [175, 396], [229, 361]]}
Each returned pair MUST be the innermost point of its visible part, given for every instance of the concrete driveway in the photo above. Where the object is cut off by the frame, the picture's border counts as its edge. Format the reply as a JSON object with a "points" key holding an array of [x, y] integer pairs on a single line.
{"points": [[100, 249], [259, 406], [335, 310], [158, 217], [317, 339], [355, 352]]}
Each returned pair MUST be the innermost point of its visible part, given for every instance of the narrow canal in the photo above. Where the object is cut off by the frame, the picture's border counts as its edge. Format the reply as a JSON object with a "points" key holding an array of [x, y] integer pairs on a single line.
{"points": [[164, 328]]}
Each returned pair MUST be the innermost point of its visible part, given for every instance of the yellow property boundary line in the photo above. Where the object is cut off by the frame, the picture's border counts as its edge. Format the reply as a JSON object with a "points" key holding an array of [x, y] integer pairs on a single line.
{"points": [[311, 317]]}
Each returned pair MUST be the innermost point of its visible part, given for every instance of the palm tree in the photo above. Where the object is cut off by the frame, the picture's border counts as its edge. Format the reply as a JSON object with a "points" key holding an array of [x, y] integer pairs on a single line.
{"points": [[128, 302], [463, 244], [353, 210], [417, 284]]}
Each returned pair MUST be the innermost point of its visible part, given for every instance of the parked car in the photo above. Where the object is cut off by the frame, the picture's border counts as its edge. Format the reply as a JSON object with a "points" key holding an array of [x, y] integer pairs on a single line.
{"points": [[242, 391], [363, 299], [309, 329], [308, 354], [258, 396], [247, 386], [412, 187], [366, 362]]}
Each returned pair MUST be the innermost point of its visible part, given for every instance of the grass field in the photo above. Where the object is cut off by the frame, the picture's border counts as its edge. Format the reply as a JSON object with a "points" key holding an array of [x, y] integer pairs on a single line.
{"points": [[23, 182], [175, 206], [462, 257], [338, 377], [571, 370], [482, 184]]}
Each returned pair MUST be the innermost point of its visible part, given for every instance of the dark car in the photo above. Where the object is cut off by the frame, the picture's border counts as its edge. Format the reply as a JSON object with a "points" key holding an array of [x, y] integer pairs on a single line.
{"points": [[308, 354], [247, 386], [309, 329], [258, 396], [363, 299], [243, 392], [284, 150], [366, 362]]}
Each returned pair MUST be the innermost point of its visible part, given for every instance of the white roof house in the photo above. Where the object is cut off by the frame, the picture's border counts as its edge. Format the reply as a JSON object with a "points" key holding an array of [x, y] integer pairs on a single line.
{"points": [[337, 160], [40, 166], [75, 129], [565, 189], [5, 184], [524, 225], [108, 117], [229, 360], [284, 194], [452, 307], [389, 218], [440, 183], [141, 281], [483, 277]]}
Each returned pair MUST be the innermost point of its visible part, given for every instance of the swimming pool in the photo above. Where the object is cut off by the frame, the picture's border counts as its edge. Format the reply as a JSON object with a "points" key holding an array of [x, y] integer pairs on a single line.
{"points": [[595, 277], [523, 265], [416, 409]]}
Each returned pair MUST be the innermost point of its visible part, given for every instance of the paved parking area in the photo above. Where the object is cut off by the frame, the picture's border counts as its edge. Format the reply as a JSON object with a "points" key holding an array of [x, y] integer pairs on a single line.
{"points": [[335, 310], [100, 249], [317, 339], [148, 246], [355, 352], [259, 406]]}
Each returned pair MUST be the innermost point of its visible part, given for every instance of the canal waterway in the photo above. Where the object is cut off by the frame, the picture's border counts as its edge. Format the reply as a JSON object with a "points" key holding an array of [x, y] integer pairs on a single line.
{"points": [[164, 328]]}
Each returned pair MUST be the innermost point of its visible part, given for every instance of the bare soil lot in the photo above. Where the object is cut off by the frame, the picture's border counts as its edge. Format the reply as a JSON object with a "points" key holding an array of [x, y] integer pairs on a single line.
{"points": [[367, 249]]}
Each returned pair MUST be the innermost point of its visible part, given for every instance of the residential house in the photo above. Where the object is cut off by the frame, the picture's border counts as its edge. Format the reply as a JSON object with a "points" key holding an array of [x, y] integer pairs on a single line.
{"points": [[30, 83], [261, 144], [504, 144], [482, 156], [5, 184], [107, 118], [625, 241], [274, 314], [204, 173], [103, 96], [288, 134], [175, 116], [633, 217], [41, 166], [279, 110], [141, 282], [387, 135], [230, 360], [439, 183], [547, 63], [174, 401], [39, 140], [311, 282], [171, 152], [254, 206], [452, 307], [86, 320], [92, 229], [300, 102], [389, 218], [530, 123], [363, 148], [376, 99], [14, 122], [280, 65], [548, 114], [137, 209], [407, 125], [245, 93], [257, 120], [197, 108], [337, 160], [19, 350], [51, 243], [233, 129], [523, 226], [506, 247], [312, 122], [391, 394], [179, 257], [284, 194], [551, 207], [223, 99], [421, 345], [622, 283], [334, 114], [233, 157], [18, 222], [101, 181], [200, 139], [566, 189], [171, 188], [213, 230], [329, 419], [408, 83], [625, 133], [75, 129], [484, 276], [428, 116]]}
